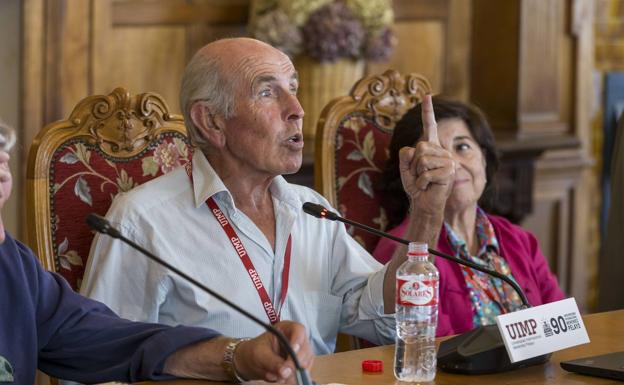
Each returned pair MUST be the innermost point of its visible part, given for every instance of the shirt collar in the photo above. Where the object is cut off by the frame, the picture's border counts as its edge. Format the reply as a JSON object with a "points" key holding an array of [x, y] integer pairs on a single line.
{"points": [[457, 244], [485, 233], [283, 192], [207, 183]]}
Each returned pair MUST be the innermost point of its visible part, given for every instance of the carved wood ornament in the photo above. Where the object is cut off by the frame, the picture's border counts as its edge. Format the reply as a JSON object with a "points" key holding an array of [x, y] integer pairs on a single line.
{"points": [[383, 99], [119, 124]]}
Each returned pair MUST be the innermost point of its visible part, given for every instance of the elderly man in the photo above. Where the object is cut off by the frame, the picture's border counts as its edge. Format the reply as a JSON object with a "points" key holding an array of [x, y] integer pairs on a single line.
{"points": [[232, 220], [46, 325]]}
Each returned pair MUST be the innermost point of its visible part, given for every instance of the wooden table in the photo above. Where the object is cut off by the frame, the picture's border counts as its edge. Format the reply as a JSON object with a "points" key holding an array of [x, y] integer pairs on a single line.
{"points": [[606, 332]]}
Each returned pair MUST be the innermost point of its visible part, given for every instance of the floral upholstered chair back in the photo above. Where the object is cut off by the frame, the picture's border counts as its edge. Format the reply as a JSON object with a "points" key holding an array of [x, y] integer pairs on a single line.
{"points": [[109, 144], [352, 141]]}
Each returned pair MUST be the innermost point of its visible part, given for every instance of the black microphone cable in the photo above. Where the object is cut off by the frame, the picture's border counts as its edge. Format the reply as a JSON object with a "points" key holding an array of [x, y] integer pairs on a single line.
{"points": [[320, 211]]}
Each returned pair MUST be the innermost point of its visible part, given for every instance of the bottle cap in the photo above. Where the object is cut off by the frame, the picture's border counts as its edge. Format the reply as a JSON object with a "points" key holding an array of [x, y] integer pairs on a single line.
{"points": [[372, 366], [418, 249]]}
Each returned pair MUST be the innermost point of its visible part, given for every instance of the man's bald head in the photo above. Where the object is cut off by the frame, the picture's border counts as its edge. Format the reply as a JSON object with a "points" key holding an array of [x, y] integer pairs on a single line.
{"points": [[232, 50], [213, 76]]}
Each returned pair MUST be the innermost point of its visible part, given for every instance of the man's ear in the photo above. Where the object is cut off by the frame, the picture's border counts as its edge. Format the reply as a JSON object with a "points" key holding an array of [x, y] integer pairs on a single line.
{"points": [[209, 125]]}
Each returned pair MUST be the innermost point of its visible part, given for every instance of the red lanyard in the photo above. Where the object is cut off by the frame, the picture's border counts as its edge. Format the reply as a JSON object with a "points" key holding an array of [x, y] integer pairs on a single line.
{"points": [[237, 244]]}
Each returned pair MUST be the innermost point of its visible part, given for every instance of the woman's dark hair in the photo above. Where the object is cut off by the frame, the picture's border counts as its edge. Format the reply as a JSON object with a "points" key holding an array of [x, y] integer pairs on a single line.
{"points": [[410, 129]]}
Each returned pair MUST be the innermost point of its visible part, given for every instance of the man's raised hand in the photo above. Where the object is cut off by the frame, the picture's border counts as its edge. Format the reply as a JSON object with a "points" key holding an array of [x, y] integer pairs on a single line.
{"points": [[430, 127], [427, 170]]}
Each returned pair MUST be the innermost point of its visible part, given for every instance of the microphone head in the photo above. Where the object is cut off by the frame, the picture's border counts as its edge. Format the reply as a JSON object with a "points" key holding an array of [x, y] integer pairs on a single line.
{"points": [[319, 211], [101, 225]]}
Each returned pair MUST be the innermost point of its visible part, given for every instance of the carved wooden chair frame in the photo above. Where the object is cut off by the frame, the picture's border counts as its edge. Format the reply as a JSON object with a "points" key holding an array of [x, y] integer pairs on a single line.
{"points": [[119, 125], [382, 99]]}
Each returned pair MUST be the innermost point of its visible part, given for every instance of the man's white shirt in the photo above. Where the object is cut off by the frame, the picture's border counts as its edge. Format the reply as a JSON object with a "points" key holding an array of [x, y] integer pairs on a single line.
{"points": [[335, 285]]}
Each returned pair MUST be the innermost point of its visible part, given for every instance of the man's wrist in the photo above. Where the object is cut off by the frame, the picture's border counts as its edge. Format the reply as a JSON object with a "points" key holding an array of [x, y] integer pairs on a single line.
{"points": [[426, 215], [228, 359]]}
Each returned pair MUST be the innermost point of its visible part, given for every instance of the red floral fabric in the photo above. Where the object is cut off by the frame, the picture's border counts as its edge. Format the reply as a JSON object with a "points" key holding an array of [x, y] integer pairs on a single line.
{"points": [[84, 180], [361, 154]]}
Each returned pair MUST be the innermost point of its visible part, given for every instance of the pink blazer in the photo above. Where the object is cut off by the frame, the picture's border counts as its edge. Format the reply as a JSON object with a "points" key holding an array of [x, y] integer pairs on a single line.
{"points": [[519, 248]]}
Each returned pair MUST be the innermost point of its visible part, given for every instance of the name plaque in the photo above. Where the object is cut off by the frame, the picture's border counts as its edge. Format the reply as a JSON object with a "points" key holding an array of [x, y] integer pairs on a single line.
{"points": [[542, 329]]}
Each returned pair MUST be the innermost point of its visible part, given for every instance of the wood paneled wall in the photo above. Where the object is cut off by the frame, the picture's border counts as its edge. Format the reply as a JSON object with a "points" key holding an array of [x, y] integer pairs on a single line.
{"points": [[531, 72], [75, 48], [433, 38], [520, 68]]}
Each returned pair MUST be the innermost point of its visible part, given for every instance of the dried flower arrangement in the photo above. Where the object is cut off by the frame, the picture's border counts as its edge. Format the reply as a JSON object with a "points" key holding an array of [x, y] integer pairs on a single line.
{"points": [[326, 30]]}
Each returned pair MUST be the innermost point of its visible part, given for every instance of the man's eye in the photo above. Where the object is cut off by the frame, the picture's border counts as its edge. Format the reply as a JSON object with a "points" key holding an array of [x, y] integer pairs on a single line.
{"points": [[265, 93]]}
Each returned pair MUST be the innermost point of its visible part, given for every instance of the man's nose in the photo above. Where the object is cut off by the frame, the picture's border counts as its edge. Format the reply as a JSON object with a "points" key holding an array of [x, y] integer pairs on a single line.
{"points": [[292, 107]]}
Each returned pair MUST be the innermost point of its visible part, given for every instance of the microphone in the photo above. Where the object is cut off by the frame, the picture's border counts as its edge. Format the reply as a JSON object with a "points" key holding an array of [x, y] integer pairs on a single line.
{"points": [[479, 351], [102, 225]]}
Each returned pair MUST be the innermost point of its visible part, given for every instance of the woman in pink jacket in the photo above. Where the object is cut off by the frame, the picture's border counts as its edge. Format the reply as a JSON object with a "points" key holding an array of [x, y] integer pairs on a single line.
{"points": [[468, 298]]}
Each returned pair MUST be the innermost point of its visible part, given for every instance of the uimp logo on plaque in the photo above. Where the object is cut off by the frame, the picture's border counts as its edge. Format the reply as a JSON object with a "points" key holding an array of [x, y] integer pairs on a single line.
{"points": [[542, 329]]}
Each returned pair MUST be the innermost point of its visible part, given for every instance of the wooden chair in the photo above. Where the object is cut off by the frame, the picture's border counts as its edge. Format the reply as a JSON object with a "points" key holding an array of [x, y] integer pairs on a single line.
{"points": [[352, 139], [109, 144]]}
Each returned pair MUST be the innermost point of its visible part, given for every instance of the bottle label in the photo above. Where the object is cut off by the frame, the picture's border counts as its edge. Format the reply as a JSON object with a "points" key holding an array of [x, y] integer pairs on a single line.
{"points": [[417, 292]]}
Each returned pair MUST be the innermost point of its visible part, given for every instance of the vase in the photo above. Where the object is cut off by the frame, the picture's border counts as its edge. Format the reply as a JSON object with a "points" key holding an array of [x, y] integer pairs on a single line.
{"points": [[319, 83]]}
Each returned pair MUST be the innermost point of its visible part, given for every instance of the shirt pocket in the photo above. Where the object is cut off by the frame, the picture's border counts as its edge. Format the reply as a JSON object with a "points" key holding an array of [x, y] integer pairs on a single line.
{"points": [[323, 318]]}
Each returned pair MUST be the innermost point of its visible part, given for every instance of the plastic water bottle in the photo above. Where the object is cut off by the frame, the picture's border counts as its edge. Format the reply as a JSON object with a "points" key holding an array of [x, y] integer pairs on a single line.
{"points": [[416, 316]]}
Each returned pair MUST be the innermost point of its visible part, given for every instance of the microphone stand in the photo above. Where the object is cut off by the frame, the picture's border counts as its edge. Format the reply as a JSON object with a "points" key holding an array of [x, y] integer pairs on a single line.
{"points": [[101, 225], [478, 351], [309, 208]]}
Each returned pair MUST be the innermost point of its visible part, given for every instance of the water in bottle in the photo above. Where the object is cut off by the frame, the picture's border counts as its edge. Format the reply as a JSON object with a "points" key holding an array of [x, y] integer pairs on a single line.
{"points": [[416, 316]]}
